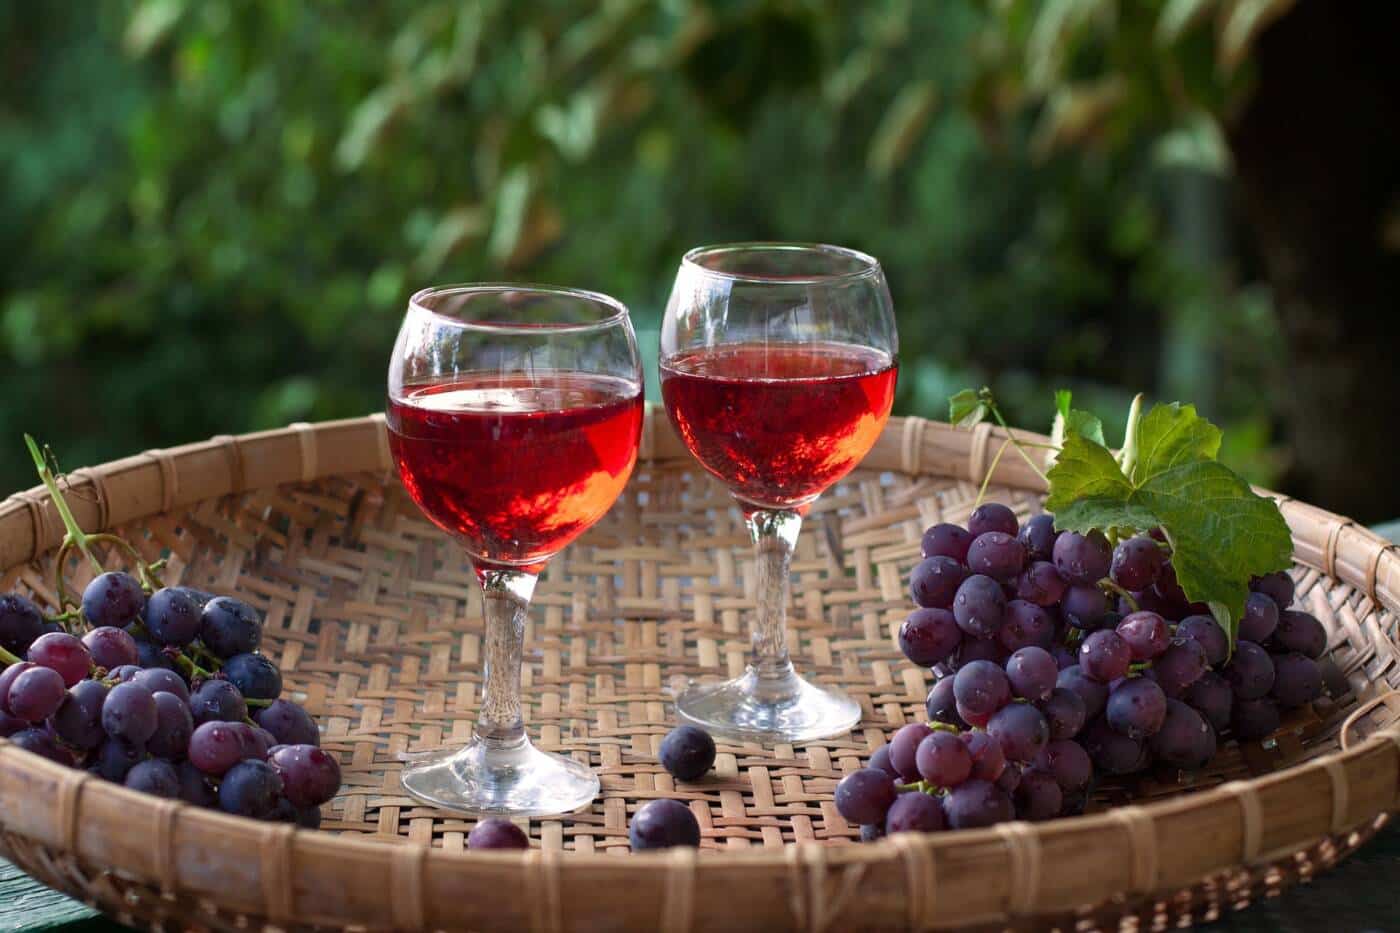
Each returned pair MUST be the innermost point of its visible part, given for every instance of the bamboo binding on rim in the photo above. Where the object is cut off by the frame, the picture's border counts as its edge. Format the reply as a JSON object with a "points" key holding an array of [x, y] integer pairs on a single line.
{"points": [[372, 618]]}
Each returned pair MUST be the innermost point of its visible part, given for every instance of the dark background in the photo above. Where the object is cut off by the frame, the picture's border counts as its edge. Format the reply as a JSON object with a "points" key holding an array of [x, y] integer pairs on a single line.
{"points": [[212, 213]]}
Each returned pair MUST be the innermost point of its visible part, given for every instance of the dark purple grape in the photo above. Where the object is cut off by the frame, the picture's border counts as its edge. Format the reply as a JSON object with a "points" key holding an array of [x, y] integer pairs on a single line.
{"points": [[942, 703], [217, 701], [934, 581], [215, 747], [1112, 752], [1136, 707], [115, 757], [496, 833], [41, 742], [1297, 680], [663, 824], [904, 747], [946, 540], [687, 752], [310, 775], [943, 759], [869, 833], [1021, 729], [1278, 586], [36, 694], [114, 598], [152, 656], [864, 796], [977, 649], [289, 723], [1180, 666], [160, 680], [1064, 657], [981, 688], [1040, 583], [1212, 638], [975, 804], [1136, 563], [880, 761], [992, 516], [1084, 607], [1032, 672], [174, 726], [1037, 536], [996, 555], [111, 647], [20, 623], [130, 713], [1067, 762], [1064, 712], [229, 627], [1024, 625], [1185, 741], [1038, 796], [1076, 802], [929, 636], [154, 777], [914, 813], [1301, 632], [973, 719], [1104, 656], [173, 617], [1093, 692], [1250, 671], [78, 721], [1259, 620], [1146, 633], [1148, 601], [256, 677], [979, 606], [250, 788], [1212, 697], [1082, 559], [200, 597], [1254, 719], [195, 786], [63, 653], [988, 760], [1168, 588], [261, 742], [124, 673]]}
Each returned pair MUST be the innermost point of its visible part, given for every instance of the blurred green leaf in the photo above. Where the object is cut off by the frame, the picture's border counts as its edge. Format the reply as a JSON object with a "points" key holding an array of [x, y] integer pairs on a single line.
{"points": [[902, 125], [1178, 16], [150, 24], [1241, 22]]}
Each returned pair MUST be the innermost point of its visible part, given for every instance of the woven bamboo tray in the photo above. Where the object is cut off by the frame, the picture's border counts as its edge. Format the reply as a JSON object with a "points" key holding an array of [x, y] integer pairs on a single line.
{"points": [[375, 618]]}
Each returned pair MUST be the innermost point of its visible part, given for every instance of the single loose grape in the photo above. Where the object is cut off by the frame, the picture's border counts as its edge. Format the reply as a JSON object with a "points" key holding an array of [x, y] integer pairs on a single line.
{"points": [[663, 824], [497, 833], [688, 752]]}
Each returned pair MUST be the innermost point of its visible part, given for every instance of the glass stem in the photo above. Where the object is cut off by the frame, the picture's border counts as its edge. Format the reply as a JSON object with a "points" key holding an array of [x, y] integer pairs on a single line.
{"points": [[507, 594], [774, 533]]}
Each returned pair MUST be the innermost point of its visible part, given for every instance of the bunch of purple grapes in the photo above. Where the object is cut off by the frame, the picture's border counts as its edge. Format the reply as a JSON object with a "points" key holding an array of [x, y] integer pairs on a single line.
{"points": [[1060, 658], [165, 693]]}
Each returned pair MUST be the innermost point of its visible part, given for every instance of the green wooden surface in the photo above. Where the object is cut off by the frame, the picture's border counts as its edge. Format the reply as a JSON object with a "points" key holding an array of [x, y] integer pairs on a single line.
{"points": [[1356, 898]]}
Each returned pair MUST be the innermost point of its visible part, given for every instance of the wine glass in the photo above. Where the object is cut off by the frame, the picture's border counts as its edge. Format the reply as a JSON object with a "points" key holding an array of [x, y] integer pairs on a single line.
{"points": [[778, 365], [515, 416]]}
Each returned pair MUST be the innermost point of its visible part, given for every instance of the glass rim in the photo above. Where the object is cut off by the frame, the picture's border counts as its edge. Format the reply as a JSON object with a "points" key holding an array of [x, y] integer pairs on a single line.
{"points": [[616, 310], [867, 265]]}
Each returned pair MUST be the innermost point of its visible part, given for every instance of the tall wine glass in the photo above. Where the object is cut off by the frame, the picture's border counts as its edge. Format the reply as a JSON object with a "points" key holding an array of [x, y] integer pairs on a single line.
{"points": [[778, 365], [515, 415]]}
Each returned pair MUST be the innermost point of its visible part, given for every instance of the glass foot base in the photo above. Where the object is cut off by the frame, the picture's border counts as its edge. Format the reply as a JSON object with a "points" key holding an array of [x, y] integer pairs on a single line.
{"points": [[514, 780], [784, 708]]}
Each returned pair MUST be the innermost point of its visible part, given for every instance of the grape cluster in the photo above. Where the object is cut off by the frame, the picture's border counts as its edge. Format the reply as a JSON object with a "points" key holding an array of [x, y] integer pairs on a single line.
{"points": [[157, 695], [1060, 658]]}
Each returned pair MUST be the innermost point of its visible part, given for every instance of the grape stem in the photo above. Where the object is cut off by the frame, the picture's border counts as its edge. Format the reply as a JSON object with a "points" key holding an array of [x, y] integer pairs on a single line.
{"points": [[6, 658], [1127, 457], [75, 536], [191, 669], [922, 787], [937, 726], [1013, 439], [1107, 584], [205, 655], [257, 703]]}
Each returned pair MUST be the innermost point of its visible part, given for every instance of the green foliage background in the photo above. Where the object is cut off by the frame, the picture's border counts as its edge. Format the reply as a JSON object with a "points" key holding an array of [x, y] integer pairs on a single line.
{"points": [[212, 213]]}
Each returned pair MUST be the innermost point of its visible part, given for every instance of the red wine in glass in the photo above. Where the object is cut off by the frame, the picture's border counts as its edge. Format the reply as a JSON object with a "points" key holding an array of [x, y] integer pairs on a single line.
{"points": [[779, 423], [516, 465]]}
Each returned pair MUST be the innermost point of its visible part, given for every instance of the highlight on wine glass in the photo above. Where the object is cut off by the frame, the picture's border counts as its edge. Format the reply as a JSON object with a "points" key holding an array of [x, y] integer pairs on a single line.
{"points": [[515, 417], [778, 364]]}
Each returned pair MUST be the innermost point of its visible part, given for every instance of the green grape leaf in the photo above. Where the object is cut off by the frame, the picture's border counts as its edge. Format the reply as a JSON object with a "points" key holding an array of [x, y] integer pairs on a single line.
{"points": [[1073, 421], [1220, 531], [968, 408], [1171, 435]]}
